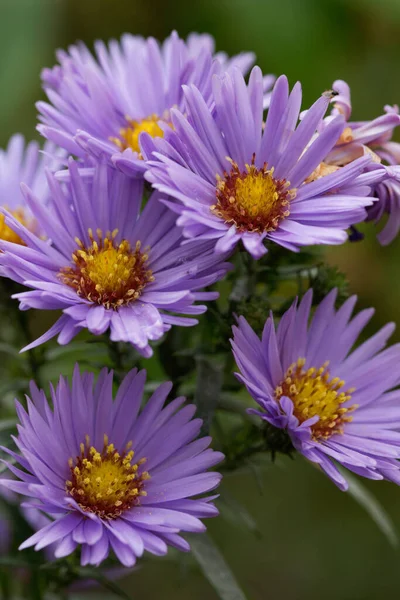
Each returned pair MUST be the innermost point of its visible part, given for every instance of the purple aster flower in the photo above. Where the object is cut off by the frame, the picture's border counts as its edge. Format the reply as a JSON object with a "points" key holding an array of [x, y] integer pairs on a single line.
{"points": [[110, 475], [105, 263], [373, 138], [337, 405], [235, 178], [24, 163], [388, 194], [101, 104]]}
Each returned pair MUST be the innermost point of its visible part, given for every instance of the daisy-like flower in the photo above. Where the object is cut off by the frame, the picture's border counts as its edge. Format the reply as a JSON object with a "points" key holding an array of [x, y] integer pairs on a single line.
{"points": [[235, 178], [338, 405], [112, 476], [24, 163], [107, 264], [373, 138], [101, 104]]}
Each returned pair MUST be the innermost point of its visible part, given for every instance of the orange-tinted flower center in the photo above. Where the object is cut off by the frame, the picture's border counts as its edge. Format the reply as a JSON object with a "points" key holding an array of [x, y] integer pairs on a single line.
{"points": [[252, 200], [106, 272]]}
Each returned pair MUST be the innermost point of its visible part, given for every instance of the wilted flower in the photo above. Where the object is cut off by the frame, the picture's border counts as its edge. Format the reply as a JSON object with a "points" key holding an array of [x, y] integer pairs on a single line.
{"points": [[337, 405], [235, 178], [101, 104], [111, 475], [109, 265], [375, 139]]}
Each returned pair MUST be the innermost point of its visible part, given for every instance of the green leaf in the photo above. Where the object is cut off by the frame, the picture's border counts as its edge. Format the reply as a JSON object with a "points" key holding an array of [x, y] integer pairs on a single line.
{"points": [[234, 512], [11, 350], [214, 568], [209, 377], [36, 586], [14, 562], [86, 349], [234, 404], [373, 507], [14, 386]]}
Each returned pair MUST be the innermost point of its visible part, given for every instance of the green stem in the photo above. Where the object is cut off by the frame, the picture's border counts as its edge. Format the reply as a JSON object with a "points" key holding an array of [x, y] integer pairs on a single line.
{"points": [[35, 586], [20, 317], [232, 463], [116, 355], [34, 362], [5, 585]]}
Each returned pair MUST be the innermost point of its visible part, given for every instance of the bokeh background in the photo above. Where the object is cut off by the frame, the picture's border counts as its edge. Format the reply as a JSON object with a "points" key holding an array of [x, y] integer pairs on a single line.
{"points": [[310, 540]]}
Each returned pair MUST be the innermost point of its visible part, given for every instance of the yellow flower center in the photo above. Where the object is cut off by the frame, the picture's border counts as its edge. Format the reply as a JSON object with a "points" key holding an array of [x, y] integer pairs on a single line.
{"points": [[314, 393], [106, 483], [6, 233], [106, 272], [129, 136], [252, 200]]}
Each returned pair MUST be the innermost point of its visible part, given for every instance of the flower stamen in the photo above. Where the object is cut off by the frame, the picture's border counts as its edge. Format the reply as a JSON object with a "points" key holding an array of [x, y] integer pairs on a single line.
{"points": [[106, 483], [253, 199], [7, 234], [129, 135], [107, 272], [314, 393]]}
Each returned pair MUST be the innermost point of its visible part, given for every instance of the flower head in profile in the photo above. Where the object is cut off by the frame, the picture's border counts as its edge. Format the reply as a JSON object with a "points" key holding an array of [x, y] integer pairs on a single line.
{"points": [[21, 162], [338, 405], [374, 138], [235, 178], [111, 475], [107, 264], [101, 103]]}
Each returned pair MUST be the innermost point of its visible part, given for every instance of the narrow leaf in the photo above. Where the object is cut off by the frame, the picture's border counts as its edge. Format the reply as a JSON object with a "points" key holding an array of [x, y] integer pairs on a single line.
{"points": [[87, 349], [237, 514], [9, 349], [214, 568], [373, 507]]}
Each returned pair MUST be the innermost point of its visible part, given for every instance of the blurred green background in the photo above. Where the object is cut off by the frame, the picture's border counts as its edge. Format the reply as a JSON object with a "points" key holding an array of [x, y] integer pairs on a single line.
{"points": [[313, 540]]}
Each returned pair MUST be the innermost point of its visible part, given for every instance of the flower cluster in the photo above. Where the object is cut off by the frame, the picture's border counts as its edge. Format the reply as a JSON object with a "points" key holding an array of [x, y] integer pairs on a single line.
{"points": [[160, 160], [234, 178]]}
